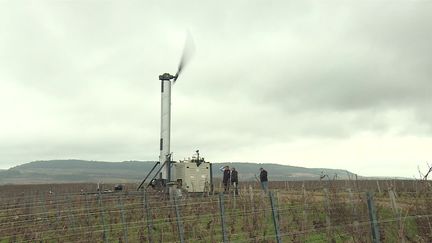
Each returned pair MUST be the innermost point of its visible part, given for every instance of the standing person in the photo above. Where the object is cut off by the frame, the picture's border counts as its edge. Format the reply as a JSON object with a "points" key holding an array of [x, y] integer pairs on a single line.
{"points": [[234, 180], [264, 179], [226, 178]]}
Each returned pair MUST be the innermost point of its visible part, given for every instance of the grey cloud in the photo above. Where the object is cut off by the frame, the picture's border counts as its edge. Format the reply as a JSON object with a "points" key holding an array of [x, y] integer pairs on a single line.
{"points": [[265, 73]]}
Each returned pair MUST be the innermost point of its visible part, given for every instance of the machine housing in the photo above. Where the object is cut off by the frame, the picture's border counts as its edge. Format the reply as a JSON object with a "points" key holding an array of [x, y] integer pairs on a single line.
{"points": [[193, 175]]}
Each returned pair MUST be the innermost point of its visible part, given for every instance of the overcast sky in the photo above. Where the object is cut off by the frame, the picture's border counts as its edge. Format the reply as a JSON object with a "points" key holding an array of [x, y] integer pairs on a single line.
{"points": [[333, 84]]}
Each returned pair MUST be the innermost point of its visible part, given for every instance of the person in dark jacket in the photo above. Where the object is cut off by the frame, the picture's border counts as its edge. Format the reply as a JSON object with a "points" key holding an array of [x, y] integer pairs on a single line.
{"points": [[226, 178], [264, 179], [234, 180]]}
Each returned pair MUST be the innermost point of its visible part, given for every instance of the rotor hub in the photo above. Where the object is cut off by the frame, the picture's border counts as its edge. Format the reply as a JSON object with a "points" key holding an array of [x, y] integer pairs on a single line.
{"points": [[166, 77]]}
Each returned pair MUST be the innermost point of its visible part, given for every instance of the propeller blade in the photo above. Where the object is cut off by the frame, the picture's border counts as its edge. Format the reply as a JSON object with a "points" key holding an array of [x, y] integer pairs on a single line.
{"points": [[188, 52]]}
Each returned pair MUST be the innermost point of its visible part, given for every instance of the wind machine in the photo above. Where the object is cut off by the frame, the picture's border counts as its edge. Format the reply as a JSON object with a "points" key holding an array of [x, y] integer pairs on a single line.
{"points": [[189, 175]]}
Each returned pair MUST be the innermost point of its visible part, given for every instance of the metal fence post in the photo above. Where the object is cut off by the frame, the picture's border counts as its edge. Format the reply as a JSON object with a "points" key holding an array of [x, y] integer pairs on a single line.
{"points": [[70, 215], [398, 213], [305, 217], [275, 218], [222, 213], [378, 186], [58, 214], [87, 210], [125, 229], [148, 216], [178, 219], [373, 218], [105, 235], [354, 210], [328, 213]]}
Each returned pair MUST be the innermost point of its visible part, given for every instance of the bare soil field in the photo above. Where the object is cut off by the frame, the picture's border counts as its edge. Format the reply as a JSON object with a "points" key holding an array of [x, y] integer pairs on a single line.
{"points": [[309, 211]]}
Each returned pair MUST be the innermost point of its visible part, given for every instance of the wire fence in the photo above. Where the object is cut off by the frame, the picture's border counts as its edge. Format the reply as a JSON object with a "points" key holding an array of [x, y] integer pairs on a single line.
{"points": [[336, 212]]}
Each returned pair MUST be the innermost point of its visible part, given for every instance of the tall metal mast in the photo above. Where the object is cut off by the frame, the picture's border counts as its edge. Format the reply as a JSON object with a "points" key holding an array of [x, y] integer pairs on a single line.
{"points": [[165, 133]]}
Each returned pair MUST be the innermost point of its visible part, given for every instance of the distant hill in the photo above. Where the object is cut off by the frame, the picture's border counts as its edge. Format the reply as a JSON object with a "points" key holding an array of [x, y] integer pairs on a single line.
{"points": [[278, 172], [60, 171]]}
